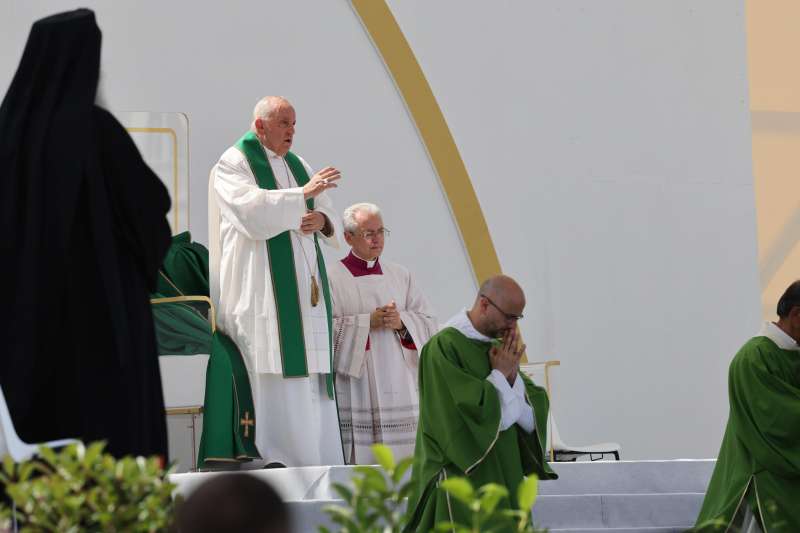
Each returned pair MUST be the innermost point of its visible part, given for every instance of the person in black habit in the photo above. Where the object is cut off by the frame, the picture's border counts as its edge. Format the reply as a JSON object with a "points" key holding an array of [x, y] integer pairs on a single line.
{"points": [[83, 234]]}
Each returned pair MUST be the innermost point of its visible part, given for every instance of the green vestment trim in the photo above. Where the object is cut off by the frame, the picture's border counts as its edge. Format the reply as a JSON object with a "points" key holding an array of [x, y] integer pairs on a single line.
{"points": [[759, 460], [459, 430], [282, 267]]}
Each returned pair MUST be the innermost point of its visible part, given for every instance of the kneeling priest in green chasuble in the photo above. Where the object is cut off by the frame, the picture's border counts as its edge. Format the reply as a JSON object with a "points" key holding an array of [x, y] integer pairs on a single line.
{"points": [[479, 416], [756, 481]]}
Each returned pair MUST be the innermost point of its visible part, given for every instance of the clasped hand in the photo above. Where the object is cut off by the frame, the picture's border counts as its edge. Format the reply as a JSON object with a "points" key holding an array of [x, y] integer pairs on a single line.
{"points": [[386, 317], [506, 357]]}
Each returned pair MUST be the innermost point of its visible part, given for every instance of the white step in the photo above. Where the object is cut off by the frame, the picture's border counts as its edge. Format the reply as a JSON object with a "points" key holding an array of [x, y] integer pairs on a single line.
{"points": [[677, 510], [630, 477], [603, 496]]}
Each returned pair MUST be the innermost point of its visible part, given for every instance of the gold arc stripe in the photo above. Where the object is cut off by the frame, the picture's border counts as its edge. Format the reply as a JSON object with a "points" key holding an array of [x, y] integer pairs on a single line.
{"points": [[402, 65], [400, 61], [174, 136]]}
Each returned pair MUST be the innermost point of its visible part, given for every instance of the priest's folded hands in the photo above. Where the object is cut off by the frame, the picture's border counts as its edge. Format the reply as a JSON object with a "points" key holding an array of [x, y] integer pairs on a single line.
{"points": [[386, 317], [505, 358]]}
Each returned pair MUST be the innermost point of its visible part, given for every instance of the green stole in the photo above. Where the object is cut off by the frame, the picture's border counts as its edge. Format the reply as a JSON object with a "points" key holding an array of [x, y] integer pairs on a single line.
{"points": [[282, 267]]}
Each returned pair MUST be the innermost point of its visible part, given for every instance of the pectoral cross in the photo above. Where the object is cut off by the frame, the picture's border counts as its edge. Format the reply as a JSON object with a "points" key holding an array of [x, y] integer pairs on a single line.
{"points": [[247, 422]]}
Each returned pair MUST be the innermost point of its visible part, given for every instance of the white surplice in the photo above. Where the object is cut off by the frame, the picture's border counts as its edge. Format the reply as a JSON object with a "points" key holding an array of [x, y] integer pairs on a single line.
{"points": [[296, 422], [377, 389]]}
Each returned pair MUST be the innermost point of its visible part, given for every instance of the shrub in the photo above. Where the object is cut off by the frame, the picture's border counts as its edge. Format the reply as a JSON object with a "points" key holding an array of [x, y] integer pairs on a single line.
{"points": [[81, 488], [376, 501]]}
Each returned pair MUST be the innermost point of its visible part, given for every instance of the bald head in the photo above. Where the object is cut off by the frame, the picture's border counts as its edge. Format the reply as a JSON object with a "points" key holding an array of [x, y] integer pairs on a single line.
{"points": [[498, 306], [502, 288]]}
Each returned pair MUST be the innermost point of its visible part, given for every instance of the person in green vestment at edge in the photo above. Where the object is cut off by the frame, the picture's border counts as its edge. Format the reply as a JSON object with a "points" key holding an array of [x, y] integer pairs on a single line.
{"points": [[756, 481], [480, 417]]}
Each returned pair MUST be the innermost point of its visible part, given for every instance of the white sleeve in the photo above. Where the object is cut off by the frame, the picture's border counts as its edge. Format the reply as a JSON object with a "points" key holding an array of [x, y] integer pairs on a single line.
{"points": [[350, 335], [509, 403], [324, 205], [259, 214], [526, 419]]}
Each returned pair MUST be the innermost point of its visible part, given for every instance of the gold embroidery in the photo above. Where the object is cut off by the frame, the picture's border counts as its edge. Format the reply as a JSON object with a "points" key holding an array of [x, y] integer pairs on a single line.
{"points": [[247, 422]]}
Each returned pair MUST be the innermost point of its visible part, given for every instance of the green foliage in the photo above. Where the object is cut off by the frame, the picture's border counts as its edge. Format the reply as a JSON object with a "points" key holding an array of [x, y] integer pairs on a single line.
{"points": [[485, 513], [83, 489], [376, 501]]}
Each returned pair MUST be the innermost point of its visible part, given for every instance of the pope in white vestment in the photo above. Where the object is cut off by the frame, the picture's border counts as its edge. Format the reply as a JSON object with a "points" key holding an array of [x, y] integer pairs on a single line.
{"points": [[381, 319], [295, 416]]}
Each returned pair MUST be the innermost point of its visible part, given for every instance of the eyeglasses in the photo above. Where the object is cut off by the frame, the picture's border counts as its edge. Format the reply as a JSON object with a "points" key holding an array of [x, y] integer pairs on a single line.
{"points": [[369, 235], [508, 316]]}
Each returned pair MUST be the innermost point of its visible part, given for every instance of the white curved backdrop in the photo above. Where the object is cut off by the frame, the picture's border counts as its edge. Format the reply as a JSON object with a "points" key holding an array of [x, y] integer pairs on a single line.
{"points": [[608, 143]]}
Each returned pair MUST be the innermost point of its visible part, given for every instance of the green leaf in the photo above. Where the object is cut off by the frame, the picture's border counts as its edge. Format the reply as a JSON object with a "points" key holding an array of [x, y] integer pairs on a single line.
{"points": [[491, 495], [341, 516], [337, 510], [345, 493], [383, 454], [93, 452], [460, 488], [8, 466], [48, 455], [373, 479], [404, 491], [527, 492], [401, 468]]}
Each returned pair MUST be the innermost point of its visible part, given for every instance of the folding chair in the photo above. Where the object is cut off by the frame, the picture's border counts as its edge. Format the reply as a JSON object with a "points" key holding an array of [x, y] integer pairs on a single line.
{"points": [[12, 444], [539, 372], [19, 450]]}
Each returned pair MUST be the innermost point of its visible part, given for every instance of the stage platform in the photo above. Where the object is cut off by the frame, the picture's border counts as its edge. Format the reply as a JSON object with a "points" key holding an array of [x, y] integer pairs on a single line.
{"points": [[588, 497]]}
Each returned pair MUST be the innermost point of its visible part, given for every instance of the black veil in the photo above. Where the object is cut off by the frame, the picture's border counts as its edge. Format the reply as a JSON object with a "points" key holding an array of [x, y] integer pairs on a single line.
{"points": [[84, 232]]}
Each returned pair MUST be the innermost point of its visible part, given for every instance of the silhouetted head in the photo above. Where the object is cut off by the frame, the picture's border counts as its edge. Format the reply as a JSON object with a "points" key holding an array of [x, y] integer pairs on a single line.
{"points": [[234, 503], [789, 311]]}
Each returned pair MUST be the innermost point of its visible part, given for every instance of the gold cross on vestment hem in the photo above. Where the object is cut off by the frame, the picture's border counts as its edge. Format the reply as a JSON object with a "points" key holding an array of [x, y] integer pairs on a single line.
{"points": [[247, 422]]}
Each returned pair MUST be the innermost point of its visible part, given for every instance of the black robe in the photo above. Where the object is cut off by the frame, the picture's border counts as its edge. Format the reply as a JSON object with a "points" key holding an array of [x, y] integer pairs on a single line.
{"points": [[84, 232]]}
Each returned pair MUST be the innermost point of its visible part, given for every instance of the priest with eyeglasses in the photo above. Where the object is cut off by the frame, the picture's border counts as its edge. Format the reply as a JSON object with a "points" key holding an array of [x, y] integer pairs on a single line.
{"points": [[381, 319], [480, 417]]}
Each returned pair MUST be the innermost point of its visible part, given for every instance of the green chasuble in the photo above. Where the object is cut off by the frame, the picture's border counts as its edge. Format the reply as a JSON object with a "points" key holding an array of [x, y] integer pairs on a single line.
{"points": [[458, 432], [186, 264], [183, 328], [229, 426], [759, 461]]}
